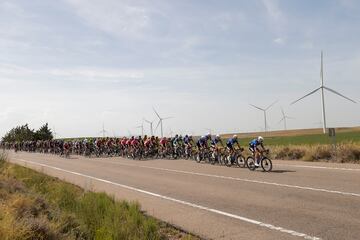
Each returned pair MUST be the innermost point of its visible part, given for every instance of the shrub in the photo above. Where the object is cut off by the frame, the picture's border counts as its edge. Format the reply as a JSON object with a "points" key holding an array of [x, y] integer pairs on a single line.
{"points": [[344, 152]]}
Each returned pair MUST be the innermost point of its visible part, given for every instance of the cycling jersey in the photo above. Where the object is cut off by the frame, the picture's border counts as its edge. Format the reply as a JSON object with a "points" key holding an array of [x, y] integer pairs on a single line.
{"points": [[147, 142], [215, 141], [254, 144], [134, 142], [202, 140], [187, 140], [232, 141], [163, 142]]}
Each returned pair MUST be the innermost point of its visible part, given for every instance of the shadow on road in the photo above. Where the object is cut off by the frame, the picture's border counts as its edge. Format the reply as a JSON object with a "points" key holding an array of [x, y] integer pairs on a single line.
{"points": [[282, 171]]}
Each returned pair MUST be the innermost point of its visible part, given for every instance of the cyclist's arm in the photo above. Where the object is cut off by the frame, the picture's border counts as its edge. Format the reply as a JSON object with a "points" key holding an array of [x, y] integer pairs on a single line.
{"points": [[262, 146]]}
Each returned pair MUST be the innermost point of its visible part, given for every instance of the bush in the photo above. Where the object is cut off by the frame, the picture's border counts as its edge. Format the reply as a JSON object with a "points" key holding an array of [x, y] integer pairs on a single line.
{"points": [[344, 152]]}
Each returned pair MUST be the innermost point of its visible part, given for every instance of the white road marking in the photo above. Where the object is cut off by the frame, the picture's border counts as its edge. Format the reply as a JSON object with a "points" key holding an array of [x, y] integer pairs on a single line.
{"points": [[240, 179], [319, 167], [244, 219]]}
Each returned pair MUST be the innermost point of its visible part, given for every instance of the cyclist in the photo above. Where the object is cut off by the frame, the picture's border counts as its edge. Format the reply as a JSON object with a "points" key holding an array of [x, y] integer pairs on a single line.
{"points": [[203, 142], [254, 148], [188, 141], [215, 142], [231, 142]]}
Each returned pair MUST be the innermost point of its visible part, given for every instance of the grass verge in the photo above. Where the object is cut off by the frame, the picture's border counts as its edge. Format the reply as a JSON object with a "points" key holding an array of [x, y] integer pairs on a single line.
{"points": [[37, 206], [343, 153]]}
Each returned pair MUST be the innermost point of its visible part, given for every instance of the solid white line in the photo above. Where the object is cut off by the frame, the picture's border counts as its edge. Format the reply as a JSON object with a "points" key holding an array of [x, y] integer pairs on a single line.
{"points": [[244, 219], [241, 179], [319, 167]]}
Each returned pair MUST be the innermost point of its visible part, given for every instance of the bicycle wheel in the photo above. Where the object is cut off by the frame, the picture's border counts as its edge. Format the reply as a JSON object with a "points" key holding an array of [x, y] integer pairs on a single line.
{"points": [[198, 158], [266, 164], [240, 161], [250, 163], [228, 161]]}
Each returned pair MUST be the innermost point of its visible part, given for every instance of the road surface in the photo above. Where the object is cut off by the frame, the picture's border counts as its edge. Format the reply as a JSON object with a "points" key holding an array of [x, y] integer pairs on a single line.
{"points": [[298, 200]]}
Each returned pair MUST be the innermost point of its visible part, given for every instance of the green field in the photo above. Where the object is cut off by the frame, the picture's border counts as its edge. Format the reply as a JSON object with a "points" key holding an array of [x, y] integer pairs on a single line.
{"points": [[308, 139]]}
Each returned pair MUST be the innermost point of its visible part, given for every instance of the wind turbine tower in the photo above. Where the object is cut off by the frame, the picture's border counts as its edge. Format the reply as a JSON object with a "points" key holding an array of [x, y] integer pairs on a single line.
{"points": [[103, 131], [142, 128], [264, 111], [151, 126], [322, 88]]}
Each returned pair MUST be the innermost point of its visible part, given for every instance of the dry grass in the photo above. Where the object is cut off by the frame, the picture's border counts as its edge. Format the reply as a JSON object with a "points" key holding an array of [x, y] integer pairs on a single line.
{"points": [[35, 206], [344, 152]]}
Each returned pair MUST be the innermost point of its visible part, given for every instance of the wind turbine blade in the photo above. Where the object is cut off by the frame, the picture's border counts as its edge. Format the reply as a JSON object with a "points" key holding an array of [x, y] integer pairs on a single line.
{"points": [[146, 120], [257, 107], [333, 91], [306, 96], [282, 111], [167, 118], [271, 105], [156, 113], [157, 125], [281, 120]]}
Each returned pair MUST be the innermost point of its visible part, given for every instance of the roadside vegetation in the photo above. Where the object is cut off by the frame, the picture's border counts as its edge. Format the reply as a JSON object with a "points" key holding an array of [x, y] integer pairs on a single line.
{"points": [[36, 206], [25, 133], [347, 152]]}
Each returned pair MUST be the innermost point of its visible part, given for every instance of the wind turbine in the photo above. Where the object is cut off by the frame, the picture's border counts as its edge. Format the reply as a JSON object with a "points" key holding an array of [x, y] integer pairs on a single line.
{"points": [[264, 110], [151, 126], [283, 119], [142, 128], [160, 122], [321, 88], [103, 131]]}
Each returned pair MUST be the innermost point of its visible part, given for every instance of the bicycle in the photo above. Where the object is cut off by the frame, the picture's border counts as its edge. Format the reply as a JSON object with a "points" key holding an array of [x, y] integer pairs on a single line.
{"points": [[236, 158], [265, 162]]}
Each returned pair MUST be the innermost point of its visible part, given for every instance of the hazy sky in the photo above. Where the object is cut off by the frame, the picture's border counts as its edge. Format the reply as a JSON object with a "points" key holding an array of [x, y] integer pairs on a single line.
{"points": [[79, 63]]}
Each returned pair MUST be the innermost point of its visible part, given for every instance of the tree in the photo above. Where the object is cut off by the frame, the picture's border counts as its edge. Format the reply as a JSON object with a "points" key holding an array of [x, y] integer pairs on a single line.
{"points": [[24, 133], [44, 133], [19, 133]]}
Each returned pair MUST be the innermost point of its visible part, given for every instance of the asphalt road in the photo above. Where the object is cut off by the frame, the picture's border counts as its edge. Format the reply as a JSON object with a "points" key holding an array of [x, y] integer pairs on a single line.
{"points": [[298, 200]]}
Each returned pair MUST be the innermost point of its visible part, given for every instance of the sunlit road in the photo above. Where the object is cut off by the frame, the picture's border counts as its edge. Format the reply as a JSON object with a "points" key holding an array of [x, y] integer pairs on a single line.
{"points": [[297, 201]]}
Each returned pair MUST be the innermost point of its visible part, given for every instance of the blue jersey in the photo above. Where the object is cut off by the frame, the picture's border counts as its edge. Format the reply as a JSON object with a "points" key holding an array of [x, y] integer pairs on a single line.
{"points": [[202, 140], [232, 141], [254, 143], [186, 140], [215, 141]]}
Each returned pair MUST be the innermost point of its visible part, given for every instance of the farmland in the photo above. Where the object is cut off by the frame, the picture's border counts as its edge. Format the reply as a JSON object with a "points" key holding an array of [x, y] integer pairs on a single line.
{"points": [[302, 137]]}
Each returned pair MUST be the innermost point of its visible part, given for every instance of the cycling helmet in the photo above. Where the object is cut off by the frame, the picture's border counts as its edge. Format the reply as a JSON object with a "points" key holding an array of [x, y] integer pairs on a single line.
{"points": [[260, 139], [235, 136], [218, 136]]}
